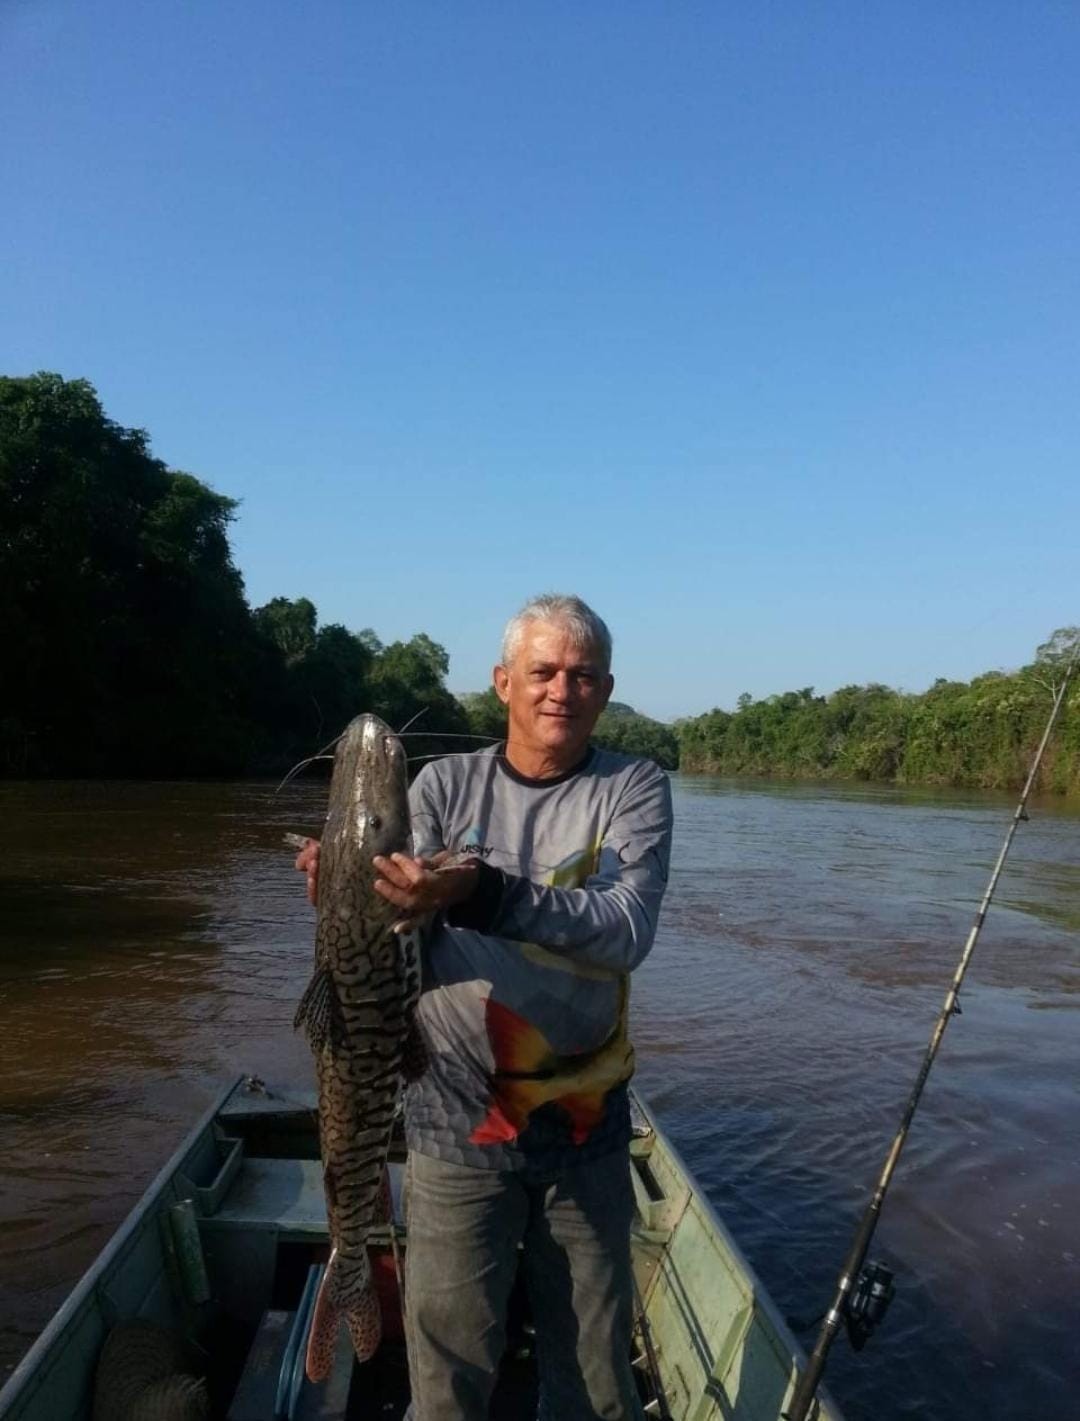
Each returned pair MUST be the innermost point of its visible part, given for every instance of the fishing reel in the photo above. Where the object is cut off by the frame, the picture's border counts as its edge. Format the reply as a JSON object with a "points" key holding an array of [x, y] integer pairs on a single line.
{"points": [[867, 1303]]}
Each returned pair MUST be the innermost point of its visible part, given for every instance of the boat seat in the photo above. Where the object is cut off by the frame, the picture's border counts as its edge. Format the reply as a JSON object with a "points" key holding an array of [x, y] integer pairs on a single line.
{"points": [[257, 1390], [285, 1196]]}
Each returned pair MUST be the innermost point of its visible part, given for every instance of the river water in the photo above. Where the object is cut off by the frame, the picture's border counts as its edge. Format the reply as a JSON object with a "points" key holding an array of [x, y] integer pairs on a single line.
{"points": [[154, 940]]}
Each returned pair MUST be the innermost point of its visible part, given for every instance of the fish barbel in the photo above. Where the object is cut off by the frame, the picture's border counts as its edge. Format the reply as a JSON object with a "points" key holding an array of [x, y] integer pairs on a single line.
{"points": [[357, 1013]]}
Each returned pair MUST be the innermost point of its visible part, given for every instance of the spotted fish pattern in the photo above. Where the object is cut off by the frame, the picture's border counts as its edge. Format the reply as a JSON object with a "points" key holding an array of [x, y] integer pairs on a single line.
{"points": [[357, 1013]]}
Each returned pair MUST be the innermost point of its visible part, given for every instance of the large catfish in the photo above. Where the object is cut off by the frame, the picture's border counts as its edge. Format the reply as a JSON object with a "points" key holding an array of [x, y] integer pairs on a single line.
{"points": [[357, 1013]]}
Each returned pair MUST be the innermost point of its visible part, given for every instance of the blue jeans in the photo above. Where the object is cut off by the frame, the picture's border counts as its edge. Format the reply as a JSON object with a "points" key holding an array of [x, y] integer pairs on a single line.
{"points": [[464, 1226]]}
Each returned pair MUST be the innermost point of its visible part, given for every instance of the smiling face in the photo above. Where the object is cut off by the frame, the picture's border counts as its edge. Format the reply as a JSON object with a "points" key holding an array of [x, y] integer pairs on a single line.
{"points": [[554, 689]]}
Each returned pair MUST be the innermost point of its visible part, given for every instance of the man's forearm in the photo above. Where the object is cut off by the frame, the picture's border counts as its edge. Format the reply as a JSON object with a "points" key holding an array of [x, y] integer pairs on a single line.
{"points": [[609, 925]]}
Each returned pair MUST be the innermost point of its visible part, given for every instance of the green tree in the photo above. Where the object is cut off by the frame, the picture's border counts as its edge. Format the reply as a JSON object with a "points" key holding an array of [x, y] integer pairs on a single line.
{"points": [[118, 597], [290, 625], [407, 685], [980, 733], [621, 728], [1056, 657], [486, 713]]}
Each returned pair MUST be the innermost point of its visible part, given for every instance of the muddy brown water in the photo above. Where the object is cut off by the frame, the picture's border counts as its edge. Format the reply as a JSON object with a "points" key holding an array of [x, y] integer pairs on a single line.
{"points": [[154, 941]]}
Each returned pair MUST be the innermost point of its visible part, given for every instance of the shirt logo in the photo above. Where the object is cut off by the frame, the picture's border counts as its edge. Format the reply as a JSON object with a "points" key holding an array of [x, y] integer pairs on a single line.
{"points": [[474, 843]]}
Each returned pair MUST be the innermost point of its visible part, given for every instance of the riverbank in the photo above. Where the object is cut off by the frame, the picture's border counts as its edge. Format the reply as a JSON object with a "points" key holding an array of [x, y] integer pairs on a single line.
{"points": [[977, 735]]}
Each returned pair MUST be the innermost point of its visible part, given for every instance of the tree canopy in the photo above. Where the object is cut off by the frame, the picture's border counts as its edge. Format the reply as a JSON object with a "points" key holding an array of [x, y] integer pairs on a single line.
{"points": [[121, 607], [135, 650], [978, 734]]}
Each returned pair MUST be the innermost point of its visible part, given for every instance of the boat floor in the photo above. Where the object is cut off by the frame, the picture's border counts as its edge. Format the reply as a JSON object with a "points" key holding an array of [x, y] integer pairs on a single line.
{"points": [[380, 1389], [377, 1390]]}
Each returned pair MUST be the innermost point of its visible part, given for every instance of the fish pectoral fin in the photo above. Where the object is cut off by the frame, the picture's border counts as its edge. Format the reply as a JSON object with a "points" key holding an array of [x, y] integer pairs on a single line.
{"points": [[319, 1012]]}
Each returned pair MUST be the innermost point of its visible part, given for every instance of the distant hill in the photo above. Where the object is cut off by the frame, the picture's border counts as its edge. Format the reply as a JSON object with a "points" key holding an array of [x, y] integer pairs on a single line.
{"points": [[622, 728]]}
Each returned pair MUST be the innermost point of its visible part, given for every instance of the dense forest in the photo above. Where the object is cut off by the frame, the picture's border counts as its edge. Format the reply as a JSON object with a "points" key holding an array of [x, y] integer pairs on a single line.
{"points": [[976, 734], [132, 650]]}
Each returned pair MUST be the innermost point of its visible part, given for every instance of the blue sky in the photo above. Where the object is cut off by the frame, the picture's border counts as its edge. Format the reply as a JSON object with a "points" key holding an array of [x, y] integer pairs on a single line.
{"points": [[758, 326]]}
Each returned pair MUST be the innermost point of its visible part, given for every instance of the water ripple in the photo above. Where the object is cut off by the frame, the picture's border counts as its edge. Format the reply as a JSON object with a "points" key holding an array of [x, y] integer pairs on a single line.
{"points": [[155, 941]]}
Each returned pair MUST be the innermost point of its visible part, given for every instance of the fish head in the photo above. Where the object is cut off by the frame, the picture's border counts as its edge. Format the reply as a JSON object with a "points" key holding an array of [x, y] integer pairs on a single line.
{"points": [[369, 801]]}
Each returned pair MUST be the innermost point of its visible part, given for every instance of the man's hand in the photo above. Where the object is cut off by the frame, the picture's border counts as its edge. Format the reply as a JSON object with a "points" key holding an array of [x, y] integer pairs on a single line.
{"points": [[421, 886], [418, 886], [307, 861]]}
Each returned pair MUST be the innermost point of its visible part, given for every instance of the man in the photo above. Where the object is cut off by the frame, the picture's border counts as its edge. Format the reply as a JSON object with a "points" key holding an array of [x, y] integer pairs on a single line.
{"points": [[518, 1129]]}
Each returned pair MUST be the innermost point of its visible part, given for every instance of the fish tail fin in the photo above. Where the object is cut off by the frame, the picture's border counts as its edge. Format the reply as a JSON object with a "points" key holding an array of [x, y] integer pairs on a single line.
{"points": [[326, 1319], [364, 1321], [347, 1292]]}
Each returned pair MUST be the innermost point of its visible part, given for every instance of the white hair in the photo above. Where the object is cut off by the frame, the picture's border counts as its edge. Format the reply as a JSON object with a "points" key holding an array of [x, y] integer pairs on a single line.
{"points": [[578, 618]]}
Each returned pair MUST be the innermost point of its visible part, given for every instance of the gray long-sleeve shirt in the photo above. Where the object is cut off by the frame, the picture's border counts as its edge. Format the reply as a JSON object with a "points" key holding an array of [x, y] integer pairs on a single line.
{"points": [[525, 991]]}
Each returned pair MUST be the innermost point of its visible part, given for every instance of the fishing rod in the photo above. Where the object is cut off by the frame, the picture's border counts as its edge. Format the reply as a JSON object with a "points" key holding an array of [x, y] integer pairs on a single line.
{"points": [[863, 1294], [657, 1406]]}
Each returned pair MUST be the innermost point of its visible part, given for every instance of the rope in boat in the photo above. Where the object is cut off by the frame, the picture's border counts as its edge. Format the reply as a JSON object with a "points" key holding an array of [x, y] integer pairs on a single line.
{"points": [[849, 1279]]}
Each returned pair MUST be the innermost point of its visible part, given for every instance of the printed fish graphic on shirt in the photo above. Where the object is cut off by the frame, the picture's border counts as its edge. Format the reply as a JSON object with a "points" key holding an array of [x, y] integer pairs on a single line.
{"points": [[529, 1073], [574, 870]]}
